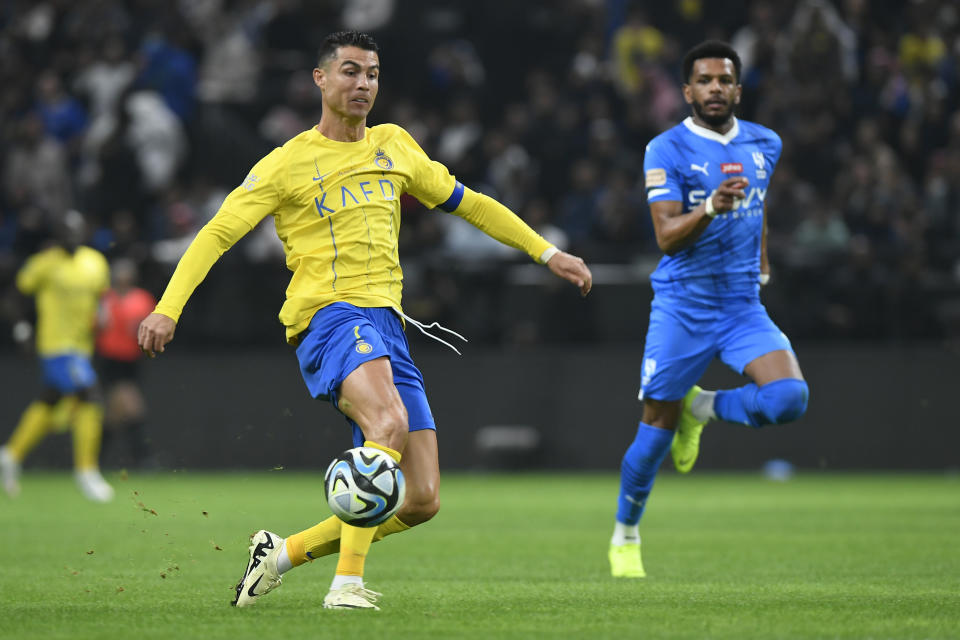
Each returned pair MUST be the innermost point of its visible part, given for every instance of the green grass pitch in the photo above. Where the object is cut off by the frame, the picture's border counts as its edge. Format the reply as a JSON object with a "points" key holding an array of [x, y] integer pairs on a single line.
{"points": [[509, 556]]}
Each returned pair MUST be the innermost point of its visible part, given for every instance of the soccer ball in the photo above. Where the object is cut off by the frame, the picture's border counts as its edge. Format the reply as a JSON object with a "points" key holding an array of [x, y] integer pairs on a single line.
{"points": [[364, 486]]}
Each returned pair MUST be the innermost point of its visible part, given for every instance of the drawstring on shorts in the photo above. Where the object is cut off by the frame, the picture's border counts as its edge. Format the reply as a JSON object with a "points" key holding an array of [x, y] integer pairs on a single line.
{"points": [[433, 325]]}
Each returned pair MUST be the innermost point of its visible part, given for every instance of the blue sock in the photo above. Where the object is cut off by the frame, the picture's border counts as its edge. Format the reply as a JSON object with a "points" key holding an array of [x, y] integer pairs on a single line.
{"points": [[776, 402], [639, 468], [736, 405]]}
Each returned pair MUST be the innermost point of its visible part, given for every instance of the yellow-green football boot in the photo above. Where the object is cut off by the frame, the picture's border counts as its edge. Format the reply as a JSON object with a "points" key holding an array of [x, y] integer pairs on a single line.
{"points": [[686, 442], [625, 561]]}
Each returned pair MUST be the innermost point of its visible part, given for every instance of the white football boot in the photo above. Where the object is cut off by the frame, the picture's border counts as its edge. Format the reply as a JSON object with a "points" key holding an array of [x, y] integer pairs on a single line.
{"points": [[261, 576], [93, 486], [351, 596]]}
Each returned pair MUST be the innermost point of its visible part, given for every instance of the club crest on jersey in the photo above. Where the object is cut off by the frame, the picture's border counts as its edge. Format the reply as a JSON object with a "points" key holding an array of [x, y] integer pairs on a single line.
{"points": [[731, 167], [382, 160], [364, 347], [761, 164], [649, 368]]}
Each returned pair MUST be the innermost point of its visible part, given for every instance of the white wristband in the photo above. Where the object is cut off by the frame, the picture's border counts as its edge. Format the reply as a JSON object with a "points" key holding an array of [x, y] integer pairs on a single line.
{"points": [[548, 253], [708, 209], [764, 279]]}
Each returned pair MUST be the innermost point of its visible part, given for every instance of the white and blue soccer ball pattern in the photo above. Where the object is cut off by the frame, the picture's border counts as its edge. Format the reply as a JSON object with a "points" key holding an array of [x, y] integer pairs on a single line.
{"points": [[364, 486]]}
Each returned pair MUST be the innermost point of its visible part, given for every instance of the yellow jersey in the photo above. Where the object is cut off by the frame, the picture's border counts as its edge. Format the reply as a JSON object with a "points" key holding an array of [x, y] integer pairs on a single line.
{"points": [[336, 208], [67, 287]]}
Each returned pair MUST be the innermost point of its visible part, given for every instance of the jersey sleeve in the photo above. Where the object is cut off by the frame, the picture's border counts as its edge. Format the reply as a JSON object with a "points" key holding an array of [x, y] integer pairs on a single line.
{"points": [[662, 180], [260, 195], [212, 241], [431, 182], [261, 192], [498, 222], [31, 275], [773, 146]]}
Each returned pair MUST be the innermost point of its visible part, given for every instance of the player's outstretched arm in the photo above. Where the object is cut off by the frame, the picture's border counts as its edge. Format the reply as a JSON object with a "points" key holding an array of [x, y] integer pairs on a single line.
{"points": [[155, 332], [501, 224], [572, 269]]}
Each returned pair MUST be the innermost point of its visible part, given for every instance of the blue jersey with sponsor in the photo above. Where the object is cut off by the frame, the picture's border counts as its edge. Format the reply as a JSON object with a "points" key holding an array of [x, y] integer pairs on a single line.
{"points": [[685, 164]]}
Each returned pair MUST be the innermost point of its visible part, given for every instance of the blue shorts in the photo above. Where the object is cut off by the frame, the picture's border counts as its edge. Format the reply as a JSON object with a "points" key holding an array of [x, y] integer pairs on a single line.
{"points": [[683, 339], [68, 373], [341, 337]]}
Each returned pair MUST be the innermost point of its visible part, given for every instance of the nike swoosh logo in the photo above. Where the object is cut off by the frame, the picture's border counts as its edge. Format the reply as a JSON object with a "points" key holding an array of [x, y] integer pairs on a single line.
{"points": [[250, 591]]}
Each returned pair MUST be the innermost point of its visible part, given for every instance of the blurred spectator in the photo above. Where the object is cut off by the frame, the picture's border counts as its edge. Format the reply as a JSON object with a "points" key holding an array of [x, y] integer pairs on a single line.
{"points": [[170, 70], [157, 138], [578, 207], [105, 80], [822, 235], [634, 44], [63, 116], [36, 175], [147, 114], [299, 112]]}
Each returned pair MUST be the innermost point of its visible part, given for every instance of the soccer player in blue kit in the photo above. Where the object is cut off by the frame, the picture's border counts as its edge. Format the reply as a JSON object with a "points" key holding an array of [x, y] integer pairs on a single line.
{"points": [[706, 182]]}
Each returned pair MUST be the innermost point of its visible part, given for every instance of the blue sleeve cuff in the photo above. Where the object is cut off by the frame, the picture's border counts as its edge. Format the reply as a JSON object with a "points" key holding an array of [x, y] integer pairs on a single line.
{"points": [[453, 201]]}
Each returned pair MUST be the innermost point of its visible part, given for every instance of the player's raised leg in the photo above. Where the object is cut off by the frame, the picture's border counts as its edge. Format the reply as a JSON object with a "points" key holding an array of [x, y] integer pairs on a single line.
{"points": [[777, 395], [422, 472], [368, 397]]}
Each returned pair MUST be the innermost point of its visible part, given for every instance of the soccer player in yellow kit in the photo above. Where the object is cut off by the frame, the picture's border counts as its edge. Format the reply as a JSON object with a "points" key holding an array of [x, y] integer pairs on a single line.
{"points": [[334, 192], [67, 281]]}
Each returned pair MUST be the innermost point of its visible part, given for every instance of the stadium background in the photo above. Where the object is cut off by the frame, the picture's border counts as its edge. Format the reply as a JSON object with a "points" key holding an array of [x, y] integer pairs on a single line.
{"points": [[144, 114]]}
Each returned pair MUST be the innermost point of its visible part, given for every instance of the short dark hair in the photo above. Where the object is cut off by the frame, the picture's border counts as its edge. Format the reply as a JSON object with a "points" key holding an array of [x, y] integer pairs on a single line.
{"points": [[344, 39], [710, 49]]}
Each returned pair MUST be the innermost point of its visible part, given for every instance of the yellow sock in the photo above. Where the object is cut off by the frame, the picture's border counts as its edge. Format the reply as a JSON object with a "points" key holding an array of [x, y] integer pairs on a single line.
{"points": [[391, 526], [87, 429], [354, 544], [317, 541], [324, 538], [393, 453], [33, 426]]}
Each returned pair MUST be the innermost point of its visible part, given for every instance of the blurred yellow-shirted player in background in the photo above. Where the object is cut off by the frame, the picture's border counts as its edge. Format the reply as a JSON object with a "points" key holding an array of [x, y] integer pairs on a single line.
{"points": [[334, 192], [67, 281]]}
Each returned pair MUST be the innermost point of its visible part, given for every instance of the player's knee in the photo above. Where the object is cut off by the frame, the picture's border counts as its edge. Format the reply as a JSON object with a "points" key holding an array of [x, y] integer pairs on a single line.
{"points": [[418, 509], [783, 401], [387, 424]]}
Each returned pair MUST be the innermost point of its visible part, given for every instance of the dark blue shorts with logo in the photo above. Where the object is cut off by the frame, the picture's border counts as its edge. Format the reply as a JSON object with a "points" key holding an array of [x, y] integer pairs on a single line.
{"points": [[341, 337]]}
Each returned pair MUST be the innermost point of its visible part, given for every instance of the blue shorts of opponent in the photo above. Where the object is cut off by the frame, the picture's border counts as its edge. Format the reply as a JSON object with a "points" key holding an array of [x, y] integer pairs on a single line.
{"points": [[683, 338]]}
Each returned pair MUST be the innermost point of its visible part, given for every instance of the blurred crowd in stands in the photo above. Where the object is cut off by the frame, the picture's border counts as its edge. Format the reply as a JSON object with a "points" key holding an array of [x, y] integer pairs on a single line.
{"points": [[144, 114]]}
